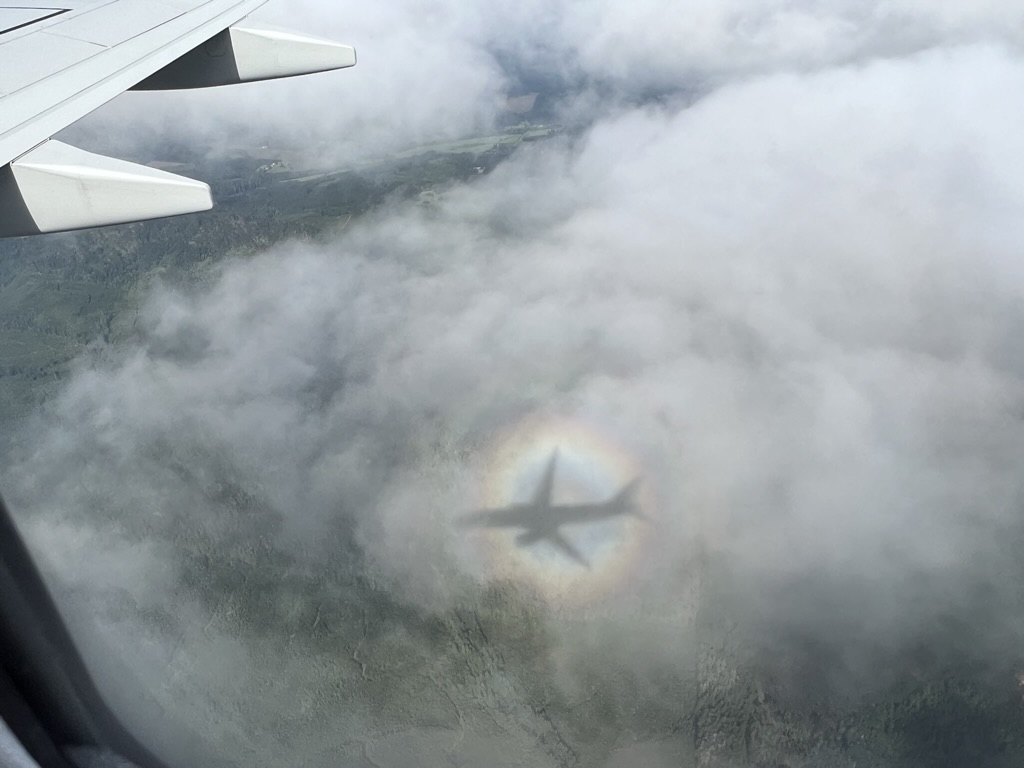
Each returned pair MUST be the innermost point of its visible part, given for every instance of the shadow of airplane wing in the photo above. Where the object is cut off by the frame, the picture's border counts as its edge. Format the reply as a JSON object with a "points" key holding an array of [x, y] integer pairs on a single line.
{"points": [[559, 540], [542, 496]]}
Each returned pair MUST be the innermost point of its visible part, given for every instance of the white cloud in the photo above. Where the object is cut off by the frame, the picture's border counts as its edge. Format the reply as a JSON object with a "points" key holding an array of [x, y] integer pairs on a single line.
{"points": [[803, 270], [799, 298]]}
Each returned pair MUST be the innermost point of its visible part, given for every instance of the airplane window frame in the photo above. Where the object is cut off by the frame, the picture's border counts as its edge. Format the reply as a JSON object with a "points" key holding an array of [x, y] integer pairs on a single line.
{"points": [[48, 699]]}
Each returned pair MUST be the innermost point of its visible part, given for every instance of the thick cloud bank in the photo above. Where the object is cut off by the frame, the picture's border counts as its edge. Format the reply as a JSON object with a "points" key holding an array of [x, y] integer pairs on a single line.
{"points": [[807, 287], [798, 301]]}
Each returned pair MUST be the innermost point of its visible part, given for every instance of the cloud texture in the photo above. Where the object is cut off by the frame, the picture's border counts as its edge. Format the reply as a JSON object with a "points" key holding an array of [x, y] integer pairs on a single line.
{"points": [[798, 299]]}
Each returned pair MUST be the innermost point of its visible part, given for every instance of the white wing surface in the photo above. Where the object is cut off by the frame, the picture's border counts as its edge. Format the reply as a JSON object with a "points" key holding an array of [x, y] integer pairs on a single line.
{"points": [[61, 60]]}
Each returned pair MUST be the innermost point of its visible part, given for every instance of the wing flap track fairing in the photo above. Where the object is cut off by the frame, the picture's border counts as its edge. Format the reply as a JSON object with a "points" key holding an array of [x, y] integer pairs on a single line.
{"points": [[249, 52], [56, 187]]}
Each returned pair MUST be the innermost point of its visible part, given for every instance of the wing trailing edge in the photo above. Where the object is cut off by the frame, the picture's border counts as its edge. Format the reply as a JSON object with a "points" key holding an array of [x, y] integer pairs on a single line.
{"points": [[56, 187]]}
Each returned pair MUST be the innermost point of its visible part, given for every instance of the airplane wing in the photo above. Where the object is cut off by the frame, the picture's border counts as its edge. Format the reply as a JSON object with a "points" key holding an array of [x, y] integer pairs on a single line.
{"points": [[61, 59], [559, 540], [542, 497]]}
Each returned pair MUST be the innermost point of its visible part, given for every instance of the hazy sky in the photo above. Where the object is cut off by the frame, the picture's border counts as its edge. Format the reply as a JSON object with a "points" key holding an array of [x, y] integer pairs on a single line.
{"points": [[797, 300]]}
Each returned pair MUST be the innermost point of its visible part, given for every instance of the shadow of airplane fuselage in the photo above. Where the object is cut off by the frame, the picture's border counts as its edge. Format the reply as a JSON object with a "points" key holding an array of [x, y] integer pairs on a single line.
{"points": [[540, 520]]}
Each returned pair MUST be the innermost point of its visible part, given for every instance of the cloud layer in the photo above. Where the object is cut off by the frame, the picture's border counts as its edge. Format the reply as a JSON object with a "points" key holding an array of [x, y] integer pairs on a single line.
{"points": [[436, 69], [798, 300]]}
